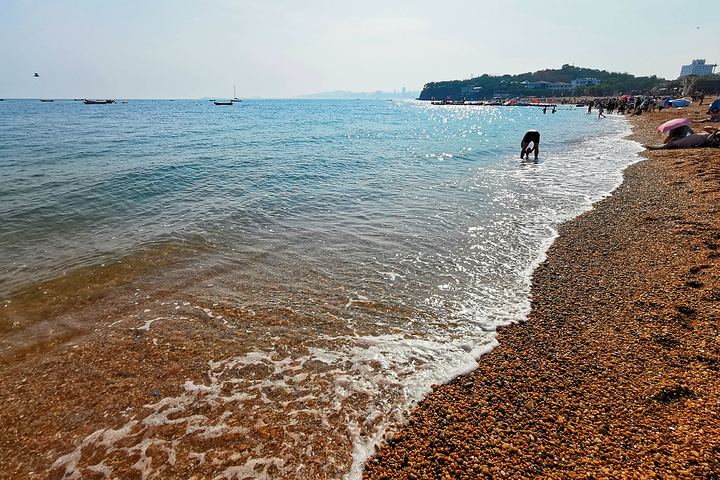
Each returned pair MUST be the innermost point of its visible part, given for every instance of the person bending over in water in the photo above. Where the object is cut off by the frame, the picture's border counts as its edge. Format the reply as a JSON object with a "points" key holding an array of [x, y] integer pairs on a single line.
{"points": [[531, 136]]}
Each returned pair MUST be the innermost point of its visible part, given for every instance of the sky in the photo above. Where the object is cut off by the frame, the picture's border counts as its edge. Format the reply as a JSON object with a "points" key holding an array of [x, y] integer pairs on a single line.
{"points": [[286, 48]]}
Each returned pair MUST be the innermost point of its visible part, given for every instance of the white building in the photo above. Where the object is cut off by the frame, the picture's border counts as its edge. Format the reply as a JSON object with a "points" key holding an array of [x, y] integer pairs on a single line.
{"points": [[549, 86], [697, 67], [585, 81]]}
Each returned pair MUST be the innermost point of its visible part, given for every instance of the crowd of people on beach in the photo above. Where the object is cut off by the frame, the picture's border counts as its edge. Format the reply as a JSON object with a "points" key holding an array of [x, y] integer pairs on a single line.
{"points": [[630, 105], [681, 137]]}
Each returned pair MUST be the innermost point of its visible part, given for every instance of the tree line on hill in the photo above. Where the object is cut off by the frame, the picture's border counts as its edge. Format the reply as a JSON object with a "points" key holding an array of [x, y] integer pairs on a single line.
{"points": [[487, 86]]}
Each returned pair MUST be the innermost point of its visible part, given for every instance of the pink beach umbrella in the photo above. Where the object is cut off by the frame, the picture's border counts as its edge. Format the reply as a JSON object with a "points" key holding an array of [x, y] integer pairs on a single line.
{"points": [[674, 123]]}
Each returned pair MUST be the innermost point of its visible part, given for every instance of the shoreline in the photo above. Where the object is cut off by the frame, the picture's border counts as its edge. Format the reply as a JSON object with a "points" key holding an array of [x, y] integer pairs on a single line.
{"points": [[616, 372]]}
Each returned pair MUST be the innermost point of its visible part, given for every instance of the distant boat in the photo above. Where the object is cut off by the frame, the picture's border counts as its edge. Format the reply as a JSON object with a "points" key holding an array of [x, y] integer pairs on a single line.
{"points": [[47, 101], [235, 99], [98, 102]]}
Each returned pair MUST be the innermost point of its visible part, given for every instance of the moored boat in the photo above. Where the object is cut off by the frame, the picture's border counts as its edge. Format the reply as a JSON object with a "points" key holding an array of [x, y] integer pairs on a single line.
{"points": [[98, 102]]}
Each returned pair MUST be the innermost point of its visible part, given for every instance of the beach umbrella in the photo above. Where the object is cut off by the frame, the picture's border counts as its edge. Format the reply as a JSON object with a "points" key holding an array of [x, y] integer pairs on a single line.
{"points": [[674, 123]]}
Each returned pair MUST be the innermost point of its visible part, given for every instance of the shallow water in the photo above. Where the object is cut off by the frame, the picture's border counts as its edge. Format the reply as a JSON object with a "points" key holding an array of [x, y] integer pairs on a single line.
{"points": [[356, 252]]}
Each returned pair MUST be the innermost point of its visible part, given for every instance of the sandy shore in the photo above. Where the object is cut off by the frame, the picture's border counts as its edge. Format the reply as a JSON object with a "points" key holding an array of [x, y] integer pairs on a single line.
{"points": [[617, 372]]}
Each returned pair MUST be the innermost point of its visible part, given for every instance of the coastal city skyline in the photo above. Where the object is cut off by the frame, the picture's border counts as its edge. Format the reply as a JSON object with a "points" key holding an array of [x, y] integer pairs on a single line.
{"points": [[280, 49]]}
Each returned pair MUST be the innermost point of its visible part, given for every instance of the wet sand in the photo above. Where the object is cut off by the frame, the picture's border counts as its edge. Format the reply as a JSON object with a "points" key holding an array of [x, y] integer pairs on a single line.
{"points": [[616, 373], [85, 396]]}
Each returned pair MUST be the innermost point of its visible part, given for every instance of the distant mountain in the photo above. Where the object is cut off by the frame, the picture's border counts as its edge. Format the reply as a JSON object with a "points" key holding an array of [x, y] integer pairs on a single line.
{"points": [[344, 95]]}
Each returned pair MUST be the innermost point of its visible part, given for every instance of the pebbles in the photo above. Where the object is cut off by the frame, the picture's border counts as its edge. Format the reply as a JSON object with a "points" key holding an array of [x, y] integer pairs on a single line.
{"points": [[617, 372]]}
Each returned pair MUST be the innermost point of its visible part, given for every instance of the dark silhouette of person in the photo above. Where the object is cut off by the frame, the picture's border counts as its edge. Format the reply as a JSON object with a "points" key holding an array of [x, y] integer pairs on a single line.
{"points": [[531, 136]]}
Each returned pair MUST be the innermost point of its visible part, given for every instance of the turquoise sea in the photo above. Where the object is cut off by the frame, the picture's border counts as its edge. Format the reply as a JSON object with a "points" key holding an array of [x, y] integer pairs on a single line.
{"points": [[396, 236]]}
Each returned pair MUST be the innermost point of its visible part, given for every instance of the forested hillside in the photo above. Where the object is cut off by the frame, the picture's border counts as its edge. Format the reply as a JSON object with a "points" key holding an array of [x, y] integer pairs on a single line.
{"points": [[487, 86]]}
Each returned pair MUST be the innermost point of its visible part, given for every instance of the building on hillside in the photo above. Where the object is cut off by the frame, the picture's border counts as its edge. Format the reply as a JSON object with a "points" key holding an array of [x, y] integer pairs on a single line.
{"points": [[560, 85], [697, 67], [549, 86], [585, 82]]}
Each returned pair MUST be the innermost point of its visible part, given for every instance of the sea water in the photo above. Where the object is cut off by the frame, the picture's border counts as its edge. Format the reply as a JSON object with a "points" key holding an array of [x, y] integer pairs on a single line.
{"points": [[366, 250]]}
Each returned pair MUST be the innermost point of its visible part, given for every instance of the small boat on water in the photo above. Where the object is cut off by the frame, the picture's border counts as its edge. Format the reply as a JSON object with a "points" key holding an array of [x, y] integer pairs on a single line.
{"points": [[46, 101], [235, 99], [98, 102]]}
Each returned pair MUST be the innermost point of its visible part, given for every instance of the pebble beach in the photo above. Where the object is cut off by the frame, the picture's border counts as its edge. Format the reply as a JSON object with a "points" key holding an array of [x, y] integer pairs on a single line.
{"points": [[616, 373]]}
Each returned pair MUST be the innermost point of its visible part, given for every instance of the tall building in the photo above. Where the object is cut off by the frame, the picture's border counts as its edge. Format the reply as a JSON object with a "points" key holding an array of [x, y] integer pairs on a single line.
{"points": [[697, 67]]}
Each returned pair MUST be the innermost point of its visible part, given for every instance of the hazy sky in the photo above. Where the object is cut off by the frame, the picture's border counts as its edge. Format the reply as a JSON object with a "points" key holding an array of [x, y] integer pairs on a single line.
{"points": [[284, 48]]}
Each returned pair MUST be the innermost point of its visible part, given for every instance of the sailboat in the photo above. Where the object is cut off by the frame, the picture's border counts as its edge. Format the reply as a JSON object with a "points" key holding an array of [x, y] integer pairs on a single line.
{"points": [[234, 99]]}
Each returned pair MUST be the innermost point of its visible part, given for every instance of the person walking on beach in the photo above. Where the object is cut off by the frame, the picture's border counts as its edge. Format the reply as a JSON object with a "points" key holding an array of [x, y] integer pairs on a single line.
{"points": [[531, 136], [600, 111]]}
